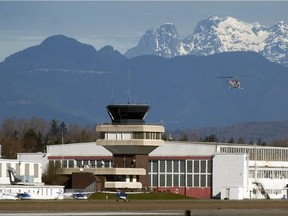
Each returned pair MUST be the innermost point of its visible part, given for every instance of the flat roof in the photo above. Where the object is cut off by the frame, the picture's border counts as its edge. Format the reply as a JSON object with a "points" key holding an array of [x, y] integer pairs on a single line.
{"points": [[169, 148]]}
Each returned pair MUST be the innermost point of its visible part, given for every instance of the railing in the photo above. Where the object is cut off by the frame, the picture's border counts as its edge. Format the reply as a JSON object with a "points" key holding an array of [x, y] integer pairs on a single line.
{"points": [[262, 190], [134, 123]]}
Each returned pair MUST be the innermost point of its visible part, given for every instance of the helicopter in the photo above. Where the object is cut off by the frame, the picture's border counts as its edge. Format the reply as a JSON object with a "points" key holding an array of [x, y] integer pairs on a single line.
{"points": [[233, 82]]}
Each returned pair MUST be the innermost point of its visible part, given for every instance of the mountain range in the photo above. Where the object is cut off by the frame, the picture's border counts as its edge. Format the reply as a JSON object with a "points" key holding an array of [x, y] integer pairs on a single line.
{"points": [[67, 80], [215, 35]]}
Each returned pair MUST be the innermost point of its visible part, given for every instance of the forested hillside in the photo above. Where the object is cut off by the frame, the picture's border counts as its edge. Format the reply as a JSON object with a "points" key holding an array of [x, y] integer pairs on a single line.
{"points": [[262, 133], [33, 135]]}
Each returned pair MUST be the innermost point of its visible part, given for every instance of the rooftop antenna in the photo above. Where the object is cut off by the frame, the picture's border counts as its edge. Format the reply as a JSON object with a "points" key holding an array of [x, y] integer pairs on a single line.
{"points": [[129, 86], [112, 96]]}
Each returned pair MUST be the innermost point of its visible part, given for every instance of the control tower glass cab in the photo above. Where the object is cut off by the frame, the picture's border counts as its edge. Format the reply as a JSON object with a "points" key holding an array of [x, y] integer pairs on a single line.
{"points": [[130, 139], [128, 113]]}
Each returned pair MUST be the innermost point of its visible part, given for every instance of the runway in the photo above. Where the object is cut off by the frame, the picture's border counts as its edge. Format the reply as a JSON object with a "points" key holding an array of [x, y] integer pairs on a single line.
{"points": [[144, 208], [128, 213], [207, 212]]}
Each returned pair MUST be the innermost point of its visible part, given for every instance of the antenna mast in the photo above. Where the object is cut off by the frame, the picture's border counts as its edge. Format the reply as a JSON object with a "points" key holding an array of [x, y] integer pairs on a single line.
{"points": [[112, 96], [129, 86]]}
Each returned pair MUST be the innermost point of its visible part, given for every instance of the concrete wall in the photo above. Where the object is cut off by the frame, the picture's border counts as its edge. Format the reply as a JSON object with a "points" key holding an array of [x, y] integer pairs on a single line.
{"points": [[35, 158], [230, 171]]}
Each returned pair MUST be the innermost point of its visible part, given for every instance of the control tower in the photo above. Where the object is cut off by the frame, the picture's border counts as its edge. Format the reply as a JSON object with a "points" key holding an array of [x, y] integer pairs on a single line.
{"points": [[130, 140]]}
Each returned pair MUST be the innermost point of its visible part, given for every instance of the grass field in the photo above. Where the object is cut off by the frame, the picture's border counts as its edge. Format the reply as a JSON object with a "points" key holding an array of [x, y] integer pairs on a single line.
{"points": [[140, 196]]}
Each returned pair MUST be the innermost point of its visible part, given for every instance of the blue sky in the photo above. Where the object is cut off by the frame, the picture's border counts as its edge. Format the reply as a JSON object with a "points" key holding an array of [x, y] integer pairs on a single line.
{"points": [[118, 23]]}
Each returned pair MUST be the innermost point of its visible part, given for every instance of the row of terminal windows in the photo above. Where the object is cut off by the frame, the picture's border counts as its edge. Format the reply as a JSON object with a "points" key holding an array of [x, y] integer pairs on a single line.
{"points": [[258, 153], [271, 174], [86, 163], [147, 135], [180, 173], [133, 135]]}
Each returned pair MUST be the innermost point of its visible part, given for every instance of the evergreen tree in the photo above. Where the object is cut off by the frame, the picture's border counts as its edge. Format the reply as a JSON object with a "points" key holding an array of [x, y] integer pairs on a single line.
{"points": [[241, 140], [63, 130], [183, 137], [231, 140], [211, 138]]}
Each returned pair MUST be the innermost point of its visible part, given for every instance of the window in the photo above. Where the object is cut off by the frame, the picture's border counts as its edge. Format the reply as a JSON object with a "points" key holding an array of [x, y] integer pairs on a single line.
{"points": [[176, 180], [209, 166], [85, 162], [106, 163], [155, 180], [196, 181], [116, 178], [169, 180], [196, 166], [203, 180], [92, 163], [155, 166], [162, 166], [162, 180], [71, 163], [189, 180], [203, 166], [79, 163], [182, 180], [169, 166], [189, 166], [175, 166], [182, 166], [138, 135], [64, 163], [209, 181]]}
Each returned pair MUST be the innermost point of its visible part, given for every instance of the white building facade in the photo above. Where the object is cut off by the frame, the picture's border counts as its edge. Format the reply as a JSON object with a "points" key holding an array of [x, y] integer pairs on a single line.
{"points": [[28, 172], [20, 176], [266, 169], [202, 170]]}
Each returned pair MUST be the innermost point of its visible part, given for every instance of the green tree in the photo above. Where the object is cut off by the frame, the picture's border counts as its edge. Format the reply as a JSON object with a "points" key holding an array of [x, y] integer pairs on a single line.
{"points": [[63, 130], [183, 137], [50, 176], [231, 140], [30, 141], [211, 138], [54, 133], [241, 140]]}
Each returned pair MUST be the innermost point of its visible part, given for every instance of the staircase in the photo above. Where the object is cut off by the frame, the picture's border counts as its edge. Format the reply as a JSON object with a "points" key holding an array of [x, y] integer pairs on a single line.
{"points": [[262, 190]]}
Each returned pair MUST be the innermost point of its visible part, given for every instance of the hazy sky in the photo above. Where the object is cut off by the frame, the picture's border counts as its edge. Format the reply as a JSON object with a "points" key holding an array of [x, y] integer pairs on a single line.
{"points": [[118, 23]]}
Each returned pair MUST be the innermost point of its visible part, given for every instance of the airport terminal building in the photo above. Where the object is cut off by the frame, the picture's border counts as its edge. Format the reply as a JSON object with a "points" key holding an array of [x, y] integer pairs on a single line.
{"points": [[131, 155]]}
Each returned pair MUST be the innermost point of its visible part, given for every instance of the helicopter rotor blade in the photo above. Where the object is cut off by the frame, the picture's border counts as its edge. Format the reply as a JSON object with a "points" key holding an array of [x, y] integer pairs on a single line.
{"points": [[225, 77]]}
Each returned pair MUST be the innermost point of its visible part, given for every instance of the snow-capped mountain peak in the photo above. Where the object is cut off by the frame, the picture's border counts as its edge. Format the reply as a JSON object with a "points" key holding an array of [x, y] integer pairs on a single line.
{"points": [[162, 41], [276, 49], [224, 35], [214, 35]]}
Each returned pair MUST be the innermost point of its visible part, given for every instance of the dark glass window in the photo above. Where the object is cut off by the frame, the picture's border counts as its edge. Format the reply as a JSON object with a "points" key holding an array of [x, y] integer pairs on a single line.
{"points": [[176, 166], [169, 166]]}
